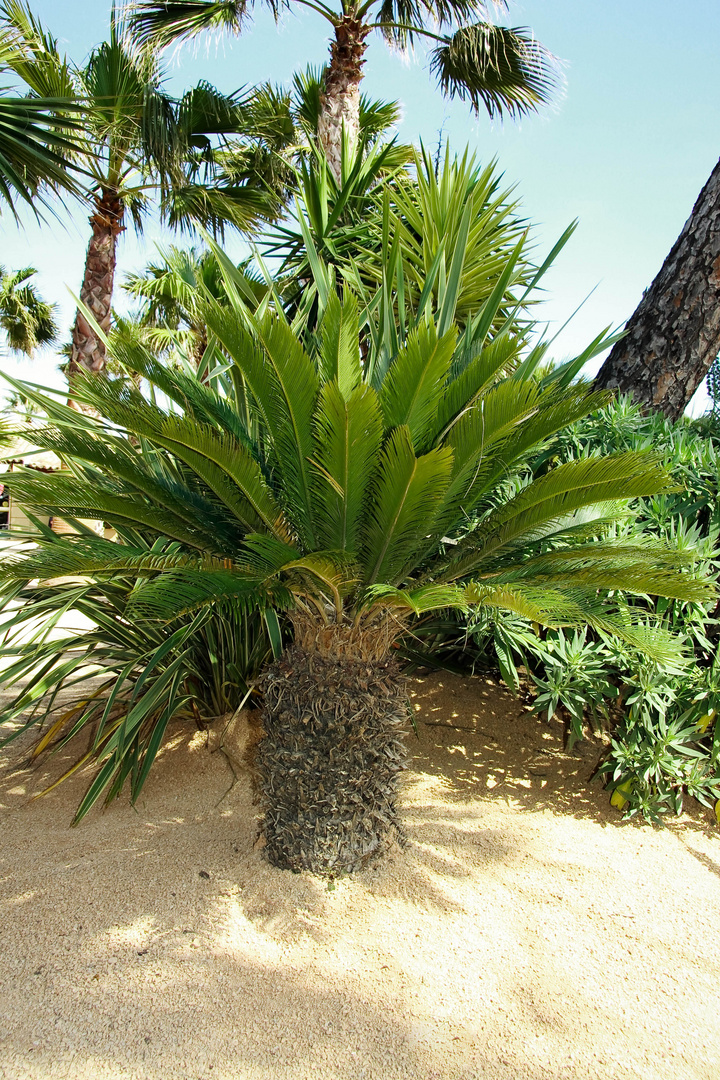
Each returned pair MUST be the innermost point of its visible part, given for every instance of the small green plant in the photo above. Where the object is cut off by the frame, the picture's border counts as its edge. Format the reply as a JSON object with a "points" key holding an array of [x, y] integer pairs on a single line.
{"points": [[667, 743], [575, 677]]}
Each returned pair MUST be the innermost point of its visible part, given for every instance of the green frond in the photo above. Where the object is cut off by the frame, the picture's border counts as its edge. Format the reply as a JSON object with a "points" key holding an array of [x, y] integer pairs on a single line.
{"points": [[506, 71], [406, 492], [339, 358], [652, 568], [87, 557], [117, 461], [37, 147], [557, 608], [412, 388], [158, 23], [197, 400], [64, 496], [348, 436], [179, 593], [284, 383], [223, 463], [475, 371], [426, 598], [539, 509], [242, 206], [32, 53]]}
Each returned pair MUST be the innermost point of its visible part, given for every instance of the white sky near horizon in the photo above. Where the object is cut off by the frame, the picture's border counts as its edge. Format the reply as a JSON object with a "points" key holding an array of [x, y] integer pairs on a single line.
{"points": [[626, 150]]}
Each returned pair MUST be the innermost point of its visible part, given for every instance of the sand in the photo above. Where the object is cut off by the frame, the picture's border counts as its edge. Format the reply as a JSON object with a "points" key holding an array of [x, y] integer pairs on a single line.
{"points": [[524, 932]]}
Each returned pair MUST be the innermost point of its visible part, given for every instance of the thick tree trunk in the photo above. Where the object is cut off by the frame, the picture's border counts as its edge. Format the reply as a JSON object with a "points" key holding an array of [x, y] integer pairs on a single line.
{"points": [[674, 335], [332, 751], [340, 103], [88, 351]]}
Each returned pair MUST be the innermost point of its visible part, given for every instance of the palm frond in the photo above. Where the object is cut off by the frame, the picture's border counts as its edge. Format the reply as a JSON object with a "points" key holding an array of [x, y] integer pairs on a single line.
{"points": [[544, 506], [406, 491], [413, 385], [187, 592], [340, 354], [506, 71], [348, 436], [160, 22]]}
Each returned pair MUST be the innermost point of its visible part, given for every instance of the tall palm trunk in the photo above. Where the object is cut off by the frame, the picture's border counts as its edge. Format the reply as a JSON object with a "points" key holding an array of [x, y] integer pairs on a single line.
{"points": [[332, 751], [88, 351], [674, 335], [340, 102]]}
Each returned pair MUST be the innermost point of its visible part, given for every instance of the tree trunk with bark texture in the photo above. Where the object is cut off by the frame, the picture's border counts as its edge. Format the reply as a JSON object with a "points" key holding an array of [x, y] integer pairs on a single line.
{"points": [[674, 335], [332, 751], [340, 102], [88, 351]]}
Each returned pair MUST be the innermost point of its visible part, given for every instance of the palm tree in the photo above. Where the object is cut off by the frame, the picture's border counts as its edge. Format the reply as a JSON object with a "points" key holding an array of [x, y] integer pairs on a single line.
{"points": [[26, 319], [171, 317], [504, 70], [36, 140], [136, 141], [370, 488]]}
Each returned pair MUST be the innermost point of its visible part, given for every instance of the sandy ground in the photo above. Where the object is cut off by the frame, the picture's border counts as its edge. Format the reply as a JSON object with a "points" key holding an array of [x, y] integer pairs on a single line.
{"points": [[523, 933]]}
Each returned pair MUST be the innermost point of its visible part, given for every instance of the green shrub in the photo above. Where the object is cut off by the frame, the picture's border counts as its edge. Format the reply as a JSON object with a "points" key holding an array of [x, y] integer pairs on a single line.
{"points": [[663, 717]]}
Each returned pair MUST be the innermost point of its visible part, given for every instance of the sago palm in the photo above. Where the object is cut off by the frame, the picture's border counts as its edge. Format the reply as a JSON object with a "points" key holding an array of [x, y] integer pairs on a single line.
{"points": [[350, 479], [503, 70], [137, 142]]}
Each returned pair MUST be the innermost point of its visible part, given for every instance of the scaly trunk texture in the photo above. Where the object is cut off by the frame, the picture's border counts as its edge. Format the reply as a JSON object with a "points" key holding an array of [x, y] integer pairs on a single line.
{"points": [[674, 335], [332, 751], [88, 351], [340, 103]]}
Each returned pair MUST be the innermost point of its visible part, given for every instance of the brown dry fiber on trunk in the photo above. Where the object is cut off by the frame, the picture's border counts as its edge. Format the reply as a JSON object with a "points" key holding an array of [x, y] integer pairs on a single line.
{"points": [[333, 750], [88, 351], [674, 335], [340, 103]]}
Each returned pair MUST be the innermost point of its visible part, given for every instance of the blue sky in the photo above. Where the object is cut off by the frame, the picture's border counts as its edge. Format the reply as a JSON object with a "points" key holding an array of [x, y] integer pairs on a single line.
{"points": [[626, 150]]}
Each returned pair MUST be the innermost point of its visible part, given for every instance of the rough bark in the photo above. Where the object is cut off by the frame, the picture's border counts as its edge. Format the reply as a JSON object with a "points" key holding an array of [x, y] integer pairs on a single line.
{"points": [[674, 335], [331, 754], [88, 351], [340, 102]]}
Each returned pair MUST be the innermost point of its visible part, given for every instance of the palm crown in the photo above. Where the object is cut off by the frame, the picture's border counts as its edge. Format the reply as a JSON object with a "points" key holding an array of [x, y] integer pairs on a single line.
{"points": [[26, 319], [136, 141], [503, 70], [350, 462]]}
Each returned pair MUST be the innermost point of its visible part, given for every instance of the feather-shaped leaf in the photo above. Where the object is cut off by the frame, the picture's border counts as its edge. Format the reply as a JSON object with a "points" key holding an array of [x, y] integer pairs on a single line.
{"points": [[412, 388], [340, 353], [348, 436], [406, 492], [536, 510]]}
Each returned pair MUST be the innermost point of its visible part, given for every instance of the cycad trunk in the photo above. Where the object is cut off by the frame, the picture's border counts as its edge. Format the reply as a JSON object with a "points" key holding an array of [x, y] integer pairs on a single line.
{"points": [[88, 351], [340, 102], [674, 335], [332, 752]]}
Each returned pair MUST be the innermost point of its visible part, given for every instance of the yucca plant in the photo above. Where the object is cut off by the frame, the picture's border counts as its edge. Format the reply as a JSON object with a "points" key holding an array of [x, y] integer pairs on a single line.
{"points": [[430, 211]]}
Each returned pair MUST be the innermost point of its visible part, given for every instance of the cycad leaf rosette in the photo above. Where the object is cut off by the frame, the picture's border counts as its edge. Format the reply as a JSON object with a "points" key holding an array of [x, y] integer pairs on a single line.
{"points": [[360, 496]]}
